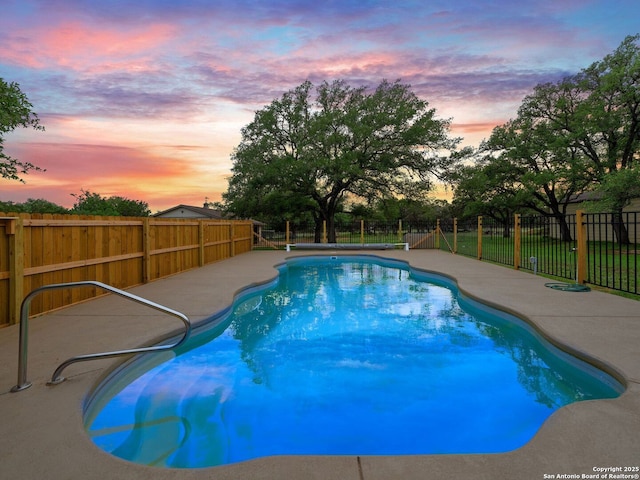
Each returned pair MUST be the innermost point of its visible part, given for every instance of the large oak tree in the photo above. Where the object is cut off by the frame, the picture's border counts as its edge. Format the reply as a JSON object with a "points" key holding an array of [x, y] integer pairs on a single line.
{"points": [[314, 146]]}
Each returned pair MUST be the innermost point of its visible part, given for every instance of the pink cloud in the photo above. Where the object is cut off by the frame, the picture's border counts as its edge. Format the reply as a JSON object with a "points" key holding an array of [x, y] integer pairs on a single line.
{"points": [[79, 46]]}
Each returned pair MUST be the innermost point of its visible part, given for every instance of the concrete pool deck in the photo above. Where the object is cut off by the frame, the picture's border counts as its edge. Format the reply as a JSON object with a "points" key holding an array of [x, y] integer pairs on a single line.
{"points": [[42, 434]]}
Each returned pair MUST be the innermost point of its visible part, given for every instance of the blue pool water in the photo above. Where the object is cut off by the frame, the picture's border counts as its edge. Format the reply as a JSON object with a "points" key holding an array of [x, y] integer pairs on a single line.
{"points": [[347, 355]]}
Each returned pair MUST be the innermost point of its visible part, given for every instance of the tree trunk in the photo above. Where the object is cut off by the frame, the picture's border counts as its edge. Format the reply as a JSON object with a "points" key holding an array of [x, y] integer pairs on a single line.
{"points": [[331, 229], [506, 229], [317, 231], [619, 228], [332, 207], [565, 231]]}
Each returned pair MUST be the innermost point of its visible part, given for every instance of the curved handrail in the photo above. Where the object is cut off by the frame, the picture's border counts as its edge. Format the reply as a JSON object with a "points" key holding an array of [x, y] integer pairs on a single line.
{"points": [[56, 378]]}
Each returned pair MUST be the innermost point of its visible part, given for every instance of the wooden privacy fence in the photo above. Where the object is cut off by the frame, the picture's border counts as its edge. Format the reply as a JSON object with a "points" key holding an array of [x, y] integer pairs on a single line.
{"points": [[37, 250]]}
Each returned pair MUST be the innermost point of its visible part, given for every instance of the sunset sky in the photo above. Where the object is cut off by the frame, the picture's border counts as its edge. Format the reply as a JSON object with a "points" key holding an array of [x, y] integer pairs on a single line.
{"points": [[145, 99]]}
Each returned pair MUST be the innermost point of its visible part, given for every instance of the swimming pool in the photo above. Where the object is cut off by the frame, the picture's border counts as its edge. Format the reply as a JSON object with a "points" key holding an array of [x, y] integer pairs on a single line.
{"points": [[346, 355]]}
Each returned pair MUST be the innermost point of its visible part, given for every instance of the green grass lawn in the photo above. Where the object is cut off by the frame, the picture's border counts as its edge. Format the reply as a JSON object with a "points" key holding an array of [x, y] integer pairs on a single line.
{"points": [[608, 265]]}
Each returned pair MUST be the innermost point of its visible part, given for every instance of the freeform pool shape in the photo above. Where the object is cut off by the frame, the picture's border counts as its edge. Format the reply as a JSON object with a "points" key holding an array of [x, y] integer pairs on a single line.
{"points": [[342, 355]]}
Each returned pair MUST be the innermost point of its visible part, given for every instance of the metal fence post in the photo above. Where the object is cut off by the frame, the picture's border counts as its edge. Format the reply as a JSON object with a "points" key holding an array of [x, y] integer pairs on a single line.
{"points": [[480, 237], [581, 247], [517, 241]]}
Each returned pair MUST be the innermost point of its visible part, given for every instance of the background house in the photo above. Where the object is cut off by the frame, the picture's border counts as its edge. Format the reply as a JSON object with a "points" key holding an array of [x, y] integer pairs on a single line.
{"points": [[205, 212], [577, 202], [189, 211], [600, 226]]}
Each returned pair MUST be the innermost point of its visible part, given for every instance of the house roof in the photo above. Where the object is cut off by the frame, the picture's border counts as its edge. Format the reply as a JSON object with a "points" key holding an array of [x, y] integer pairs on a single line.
{"points": [[202, 211], [585, 197]]}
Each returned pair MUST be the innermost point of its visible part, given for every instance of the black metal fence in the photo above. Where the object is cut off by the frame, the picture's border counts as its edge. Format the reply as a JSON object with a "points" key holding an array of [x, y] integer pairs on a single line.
{"points": [[543, 250], [543, 245], [497, 241], [613, 245]]}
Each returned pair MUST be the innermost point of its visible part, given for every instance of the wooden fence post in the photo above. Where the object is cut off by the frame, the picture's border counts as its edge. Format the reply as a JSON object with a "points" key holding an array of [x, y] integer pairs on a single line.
{"points": [[362, 231], [455, 235], [201, 242], [517, 241], [287, 234], [146, 251], [581, 248], [324, 231], [400, 231], [480, 237], [437, 239], [233, 241], [15, 230]]}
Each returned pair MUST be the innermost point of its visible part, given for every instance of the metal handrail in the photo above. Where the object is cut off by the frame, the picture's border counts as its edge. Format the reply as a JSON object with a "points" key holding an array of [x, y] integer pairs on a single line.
{"points": [[56, 378]]}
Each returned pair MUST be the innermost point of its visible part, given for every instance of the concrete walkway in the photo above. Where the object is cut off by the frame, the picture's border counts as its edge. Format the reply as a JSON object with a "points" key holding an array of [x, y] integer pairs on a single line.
{"points": [[42, 434]]}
